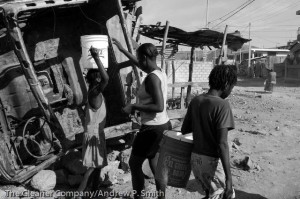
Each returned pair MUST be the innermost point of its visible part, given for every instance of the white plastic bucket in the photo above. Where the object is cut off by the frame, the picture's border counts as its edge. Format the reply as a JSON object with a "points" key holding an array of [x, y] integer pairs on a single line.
{"points": [[97, 41]]}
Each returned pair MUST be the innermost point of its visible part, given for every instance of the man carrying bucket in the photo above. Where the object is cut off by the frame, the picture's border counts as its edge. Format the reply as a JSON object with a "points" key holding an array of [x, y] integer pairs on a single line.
{"points": [[209, 117]]}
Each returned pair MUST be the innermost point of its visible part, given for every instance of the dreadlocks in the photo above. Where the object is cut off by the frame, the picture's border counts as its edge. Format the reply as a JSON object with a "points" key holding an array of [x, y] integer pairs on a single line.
{"points": [[222, 75]]}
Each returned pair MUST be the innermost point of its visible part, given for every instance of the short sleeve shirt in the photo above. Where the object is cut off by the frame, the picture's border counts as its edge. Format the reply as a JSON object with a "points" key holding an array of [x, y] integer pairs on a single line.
{"points": [[205, 115]]}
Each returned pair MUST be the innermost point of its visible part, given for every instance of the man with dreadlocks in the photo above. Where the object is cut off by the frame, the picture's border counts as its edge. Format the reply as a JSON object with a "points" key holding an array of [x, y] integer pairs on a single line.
{"points": [[209, 118]]}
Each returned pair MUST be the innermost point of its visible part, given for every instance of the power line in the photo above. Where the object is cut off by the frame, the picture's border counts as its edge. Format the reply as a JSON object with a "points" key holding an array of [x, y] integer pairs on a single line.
{"points": [[276, 13], [235, 12], [228, 12]]}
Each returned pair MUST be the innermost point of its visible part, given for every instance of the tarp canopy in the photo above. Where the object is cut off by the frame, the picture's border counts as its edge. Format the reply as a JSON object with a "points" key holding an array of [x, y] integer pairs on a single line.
{"points": [[199, 38]]}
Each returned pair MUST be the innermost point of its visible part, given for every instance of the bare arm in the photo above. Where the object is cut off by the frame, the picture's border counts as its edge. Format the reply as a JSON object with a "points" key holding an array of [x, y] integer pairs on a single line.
{"points": [[187, 122], [94, 97], [130, 56], [224, 152], [104, 76]]}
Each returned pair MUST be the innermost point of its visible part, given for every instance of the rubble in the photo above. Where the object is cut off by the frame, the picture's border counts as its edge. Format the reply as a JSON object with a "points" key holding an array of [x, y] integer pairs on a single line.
{"points": [[109, 174], [73, 163], [237, 141], [112, 156], [44, 180], [124, 160], [124, 178], [247, 164]]}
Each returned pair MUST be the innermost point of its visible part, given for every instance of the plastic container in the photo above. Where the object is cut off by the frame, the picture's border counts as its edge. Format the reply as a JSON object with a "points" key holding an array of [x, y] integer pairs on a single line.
{"points": [[174, 167], [97, 41]]}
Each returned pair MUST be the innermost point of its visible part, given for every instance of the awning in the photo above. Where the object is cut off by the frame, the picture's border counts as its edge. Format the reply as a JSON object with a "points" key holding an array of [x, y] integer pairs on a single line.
{"points": [[199, 38]]}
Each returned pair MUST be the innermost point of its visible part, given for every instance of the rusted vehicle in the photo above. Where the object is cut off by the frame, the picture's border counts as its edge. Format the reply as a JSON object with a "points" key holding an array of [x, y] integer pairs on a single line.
{"points": [[42, 85]]}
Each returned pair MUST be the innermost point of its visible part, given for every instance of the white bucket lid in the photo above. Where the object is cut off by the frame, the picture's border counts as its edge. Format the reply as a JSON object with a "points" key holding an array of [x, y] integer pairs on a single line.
{"points": [[178, 136]]}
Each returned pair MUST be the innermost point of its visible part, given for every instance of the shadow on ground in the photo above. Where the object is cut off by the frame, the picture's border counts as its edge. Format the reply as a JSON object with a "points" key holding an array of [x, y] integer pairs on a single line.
{"points": [[193, 186]]}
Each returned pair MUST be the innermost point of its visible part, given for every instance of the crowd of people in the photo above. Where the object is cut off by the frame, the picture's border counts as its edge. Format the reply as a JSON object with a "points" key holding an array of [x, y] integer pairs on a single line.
{"points": [[209, 118]]}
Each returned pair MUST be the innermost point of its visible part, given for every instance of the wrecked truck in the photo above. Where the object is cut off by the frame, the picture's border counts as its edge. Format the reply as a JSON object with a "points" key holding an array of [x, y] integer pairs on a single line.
{"points": [[42, 85]]}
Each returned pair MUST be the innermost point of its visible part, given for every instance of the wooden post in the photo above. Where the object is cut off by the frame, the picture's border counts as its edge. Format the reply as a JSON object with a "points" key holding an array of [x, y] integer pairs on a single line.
{"points": [[167, 67], [173, 78], [188, 94], [285, 70], [249, 54], [181, 98], [223, 44], [164, 45], [127, 39]]}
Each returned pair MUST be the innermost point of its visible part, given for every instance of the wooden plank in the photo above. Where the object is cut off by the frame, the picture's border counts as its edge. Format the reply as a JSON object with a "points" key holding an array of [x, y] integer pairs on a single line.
{"points": [[173, 77], [139, 21], [164, 44], [127, 39], [191, 66], [30, 173], [118, 130], [186, 84]]}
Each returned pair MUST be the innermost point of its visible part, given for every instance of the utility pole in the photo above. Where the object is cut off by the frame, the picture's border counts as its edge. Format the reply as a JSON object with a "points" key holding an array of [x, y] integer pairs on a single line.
{"points": [[249, 56], [205, 50], [206, 24]]}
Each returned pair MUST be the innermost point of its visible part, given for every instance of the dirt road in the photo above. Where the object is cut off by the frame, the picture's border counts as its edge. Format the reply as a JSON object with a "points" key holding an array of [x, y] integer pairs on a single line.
{"points": [[267, 131]]}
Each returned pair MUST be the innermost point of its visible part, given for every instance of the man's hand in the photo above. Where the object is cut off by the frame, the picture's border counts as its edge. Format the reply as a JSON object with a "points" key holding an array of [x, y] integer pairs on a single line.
{"points": [[117, 43], [128, 109], [94, 52]]}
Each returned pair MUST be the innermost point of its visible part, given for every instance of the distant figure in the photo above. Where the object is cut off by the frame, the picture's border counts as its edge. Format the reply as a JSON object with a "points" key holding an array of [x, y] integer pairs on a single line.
{"points": [[258, 69], [94, 146], [152, 97], [270, 81], [209, 118]]}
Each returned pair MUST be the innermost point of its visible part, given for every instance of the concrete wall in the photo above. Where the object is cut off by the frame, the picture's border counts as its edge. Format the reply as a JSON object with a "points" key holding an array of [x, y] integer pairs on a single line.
{"points": [[200, 73]]}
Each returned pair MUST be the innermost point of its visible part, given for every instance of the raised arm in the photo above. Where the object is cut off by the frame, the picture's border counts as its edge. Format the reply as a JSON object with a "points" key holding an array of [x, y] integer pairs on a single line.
{"points": [[130, 56], [104, 76]]}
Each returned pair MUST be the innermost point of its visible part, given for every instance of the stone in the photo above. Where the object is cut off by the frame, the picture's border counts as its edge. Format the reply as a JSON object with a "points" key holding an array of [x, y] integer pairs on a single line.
{"points": [[237, 141], [147, 170], [248, 163], [124, 159], [44, 180], [74, 180], [124, 178], [73, 163], [235, 146], [109, 174], [112, 156], [277, 128]]}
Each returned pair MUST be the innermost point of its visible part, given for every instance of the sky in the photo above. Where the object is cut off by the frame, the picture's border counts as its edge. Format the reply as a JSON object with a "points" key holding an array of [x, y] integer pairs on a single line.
{"points": [[273, 22]]}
